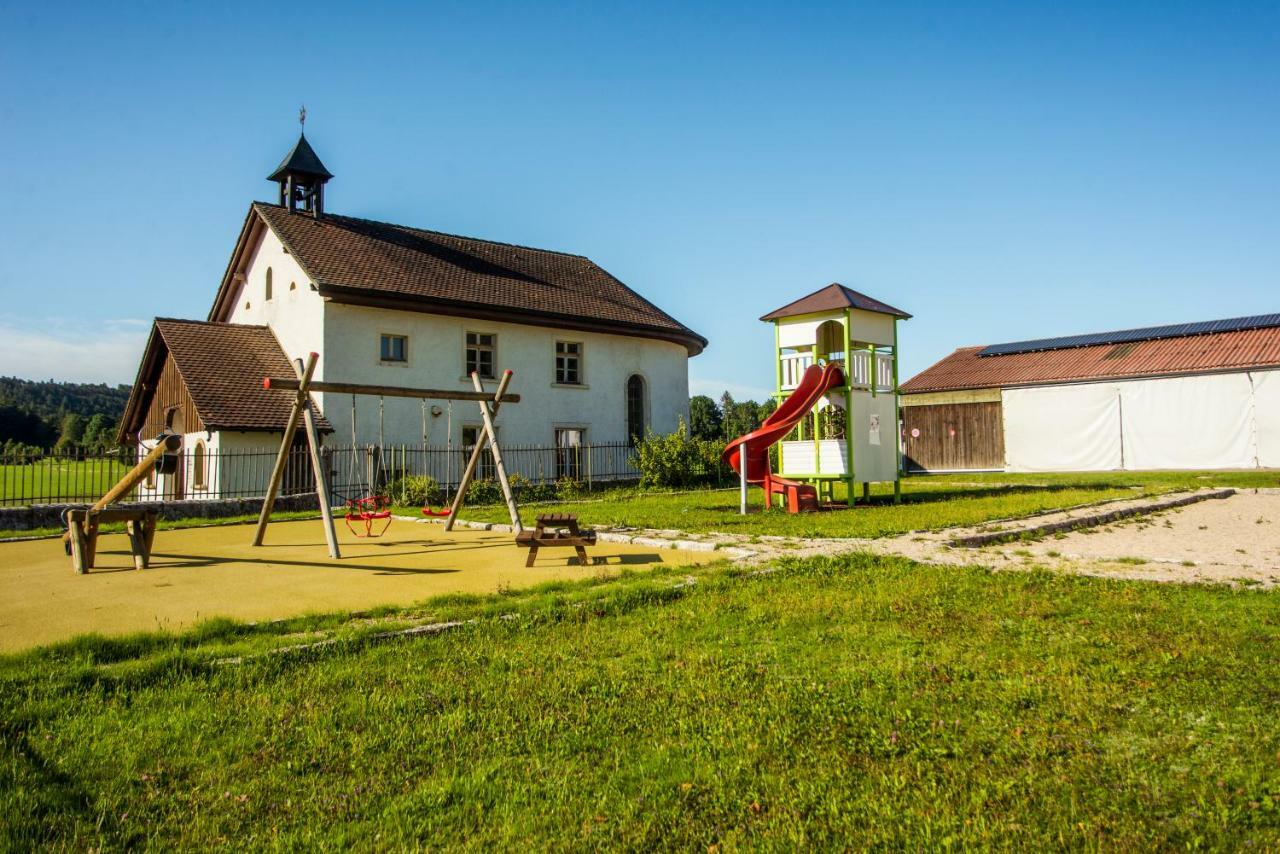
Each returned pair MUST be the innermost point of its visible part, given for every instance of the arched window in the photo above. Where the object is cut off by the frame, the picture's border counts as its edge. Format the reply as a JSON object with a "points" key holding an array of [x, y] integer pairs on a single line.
{"points": [[635, 408], [199, 464], [268, 288]]}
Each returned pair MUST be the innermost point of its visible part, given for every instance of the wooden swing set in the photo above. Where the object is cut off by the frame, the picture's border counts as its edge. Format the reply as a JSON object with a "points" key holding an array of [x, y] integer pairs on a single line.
{"points": [[369, 509]]}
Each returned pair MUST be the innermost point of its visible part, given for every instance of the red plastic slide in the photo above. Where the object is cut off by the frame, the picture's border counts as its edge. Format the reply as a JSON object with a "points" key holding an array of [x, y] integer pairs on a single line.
{"points": [[816, 382]]}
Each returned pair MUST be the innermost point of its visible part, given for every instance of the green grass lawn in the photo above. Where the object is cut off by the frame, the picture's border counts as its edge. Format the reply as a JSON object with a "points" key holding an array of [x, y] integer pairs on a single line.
{"points": [[926, 505], [929, 503], [830, 703], [53, 481]]}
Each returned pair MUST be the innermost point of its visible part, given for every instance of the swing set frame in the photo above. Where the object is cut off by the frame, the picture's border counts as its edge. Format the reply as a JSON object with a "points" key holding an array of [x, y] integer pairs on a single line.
{"points": [[304, 408]]}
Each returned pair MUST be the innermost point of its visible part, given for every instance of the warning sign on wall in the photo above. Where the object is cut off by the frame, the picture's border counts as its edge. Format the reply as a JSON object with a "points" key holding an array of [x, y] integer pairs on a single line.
{"points": [[873, 435]]}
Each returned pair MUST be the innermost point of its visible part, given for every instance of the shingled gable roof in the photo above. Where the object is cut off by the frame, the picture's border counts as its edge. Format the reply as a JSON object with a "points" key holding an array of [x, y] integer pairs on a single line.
{"points": [[833, 297], [364, 262], [1214, 352], [222, 365]]}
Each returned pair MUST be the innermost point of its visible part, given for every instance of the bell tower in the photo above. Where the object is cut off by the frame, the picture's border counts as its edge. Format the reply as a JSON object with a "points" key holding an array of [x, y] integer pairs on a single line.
{"points": [[302, 176]]}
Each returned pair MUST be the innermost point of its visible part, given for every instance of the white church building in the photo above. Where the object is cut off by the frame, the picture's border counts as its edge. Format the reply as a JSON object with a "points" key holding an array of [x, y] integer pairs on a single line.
{"points": [[382, 304]]}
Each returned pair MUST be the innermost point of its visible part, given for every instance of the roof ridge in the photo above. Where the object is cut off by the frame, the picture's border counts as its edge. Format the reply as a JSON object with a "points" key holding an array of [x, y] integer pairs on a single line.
{"points": [[332, 216], [212, 322], [1135, 334]]}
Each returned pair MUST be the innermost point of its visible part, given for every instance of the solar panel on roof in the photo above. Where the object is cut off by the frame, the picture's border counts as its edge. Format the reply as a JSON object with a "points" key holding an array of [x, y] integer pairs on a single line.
{"points": [[1124, 336]]}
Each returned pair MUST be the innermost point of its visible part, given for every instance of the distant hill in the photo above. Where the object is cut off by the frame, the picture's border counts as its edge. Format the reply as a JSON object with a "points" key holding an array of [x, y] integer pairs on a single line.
{"points": [[36, 413]]}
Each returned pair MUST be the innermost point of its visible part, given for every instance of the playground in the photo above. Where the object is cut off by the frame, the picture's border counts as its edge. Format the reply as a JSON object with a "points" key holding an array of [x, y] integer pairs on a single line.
{"points": [[200, 573]]}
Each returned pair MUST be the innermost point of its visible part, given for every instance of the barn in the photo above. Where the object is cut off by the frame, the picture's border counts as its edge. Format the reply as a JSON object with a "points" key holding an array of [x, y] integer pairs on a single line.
{"points": [[1188, 396]]}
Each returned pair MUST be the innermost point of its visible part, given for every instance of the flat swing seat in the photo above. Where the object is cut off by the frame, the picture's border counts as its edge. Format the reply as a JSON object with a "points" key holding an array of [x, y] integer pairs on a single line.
{"points": [[571, 537]]}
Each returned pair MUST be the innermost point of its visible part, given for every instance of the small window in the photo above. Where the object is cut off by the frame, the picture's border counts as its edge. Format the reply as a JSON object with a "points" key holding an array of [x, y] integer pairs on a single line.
{"points": [[568, 363], [484, 468], [479, 355], [199, 464], [569, 442], [395, 348], [293, 286], [635, 408], [267, 289]]}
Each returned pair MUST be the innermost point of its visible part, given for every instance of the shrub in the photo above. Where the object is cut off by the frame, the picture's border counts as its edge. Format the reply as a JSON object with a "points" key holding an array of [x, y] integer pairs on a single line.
{"points": [[486, 491], [568, 488], [415, 489], [529, 490], [676, 459]]}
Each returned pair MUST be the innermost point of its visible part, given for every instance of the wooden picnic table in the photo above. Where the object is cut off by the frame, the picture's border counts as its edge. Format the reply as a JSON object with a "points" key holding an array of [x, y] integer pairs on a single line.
{"points": [[548, 534]]}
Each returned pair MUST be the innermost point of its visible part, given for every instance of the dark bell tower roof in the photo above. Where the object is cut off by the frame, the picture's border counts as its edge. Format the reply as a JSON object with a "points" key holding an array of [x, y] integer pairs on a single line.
{"points": [[301, 161]]}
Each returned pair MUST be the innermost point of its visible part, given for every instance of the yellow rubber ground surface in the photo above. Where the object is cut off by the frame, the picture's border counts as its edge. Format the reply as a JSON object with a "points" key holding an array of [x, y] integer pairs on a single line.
{"points": [[198, 573]]}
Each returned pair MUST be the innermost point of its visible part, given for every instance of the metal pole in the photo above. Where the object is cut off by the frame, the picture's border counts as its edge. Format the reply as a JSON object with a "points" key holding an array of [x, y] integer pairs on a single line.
{"points": [[742, 469]]}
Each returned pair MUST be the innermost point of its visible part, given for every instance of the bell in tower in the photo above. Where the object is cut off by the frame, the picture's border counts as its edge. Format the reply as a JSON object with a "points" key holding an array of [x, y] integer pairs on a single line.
{"points": [[302, 176]]}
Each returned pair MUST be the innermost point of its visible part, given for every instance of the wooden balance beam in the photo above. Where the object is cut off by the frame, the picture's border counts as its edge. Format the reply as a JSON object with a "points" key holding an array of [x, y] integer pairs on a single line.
{"points": [[572, 537], [82, 529], [166, 443]]}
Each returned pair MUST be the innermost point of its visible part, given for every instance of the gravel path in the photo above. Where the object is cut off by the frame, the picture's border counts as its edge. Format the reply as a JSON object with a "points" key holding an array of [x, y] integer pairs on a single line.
{"points": [[1233, 540]]}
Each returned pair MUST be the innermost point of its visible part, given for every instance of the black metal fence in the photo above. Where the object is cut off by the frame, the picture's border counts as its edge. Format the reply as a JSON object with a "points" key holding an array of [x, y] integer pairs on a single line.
{"points": [[201, 473]]}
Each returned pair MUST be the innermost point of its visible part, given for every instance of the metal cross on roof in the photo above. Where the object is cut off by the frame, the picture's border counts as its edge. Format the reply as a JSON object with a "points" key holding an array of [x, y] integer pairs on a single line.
{"points": [[302, 116]]}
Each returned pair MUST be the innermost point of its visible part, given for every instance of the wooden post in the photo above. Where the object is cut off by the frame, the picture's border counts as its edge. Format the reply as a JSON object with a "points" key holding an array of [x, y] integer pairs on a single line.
{"points": [[317, 467], [282, 458], [501, 467], [474, 460]]}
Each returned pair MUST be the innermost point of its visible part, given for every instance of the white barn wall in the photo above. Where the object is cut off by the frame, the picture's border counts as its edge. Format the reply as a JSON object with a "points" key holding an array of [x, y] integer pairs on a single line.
{"points": [[1266, 414], [1192, 422], [1204, 421], [1062, 428]]}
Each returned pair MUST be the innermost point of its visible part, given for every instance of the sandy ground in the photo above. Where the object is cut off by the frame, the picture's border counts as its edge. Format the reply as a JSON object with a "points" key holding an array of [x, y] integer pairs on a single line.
{"points": [[1234, 540], [198, 573]]}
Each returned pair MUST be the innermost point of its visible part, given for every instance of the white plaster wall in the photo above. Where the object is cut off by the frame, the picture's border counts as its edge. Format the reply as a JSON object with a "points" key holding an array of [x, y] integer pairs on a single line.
{"points": [[296, 316], [866, 327], [875, 455], [435, 360], [245, 460], [871, 327], [802, 331]]}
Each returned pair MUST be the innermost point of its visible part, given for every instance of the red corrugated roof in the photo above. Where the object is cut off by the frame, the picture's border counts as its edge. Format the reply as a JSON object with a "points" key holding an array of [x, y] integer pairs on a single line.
{"points": [[1220, 351]]}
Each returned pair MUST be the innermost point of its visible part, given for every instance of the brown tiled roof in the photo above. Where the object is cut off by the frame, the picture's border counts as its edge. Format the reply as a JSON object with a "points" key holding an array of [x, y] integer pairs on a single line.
{"points": [[360, 260], [1219, 351], [834, 296], [222, 365]]}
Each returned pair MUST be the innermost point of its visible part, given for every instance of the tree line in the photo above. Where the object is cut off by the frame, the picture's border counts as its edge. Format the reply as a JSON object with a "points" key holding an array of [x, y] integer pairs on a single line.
{"points": [[38, 415], [727, 419]]}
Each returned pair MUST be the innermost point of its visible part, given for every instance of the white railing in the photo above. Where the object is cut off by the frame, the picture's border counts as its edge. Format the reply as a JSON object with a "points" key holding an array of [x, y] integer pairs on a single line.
{"points": [[793, 367], [860, 371], [884, 372]]}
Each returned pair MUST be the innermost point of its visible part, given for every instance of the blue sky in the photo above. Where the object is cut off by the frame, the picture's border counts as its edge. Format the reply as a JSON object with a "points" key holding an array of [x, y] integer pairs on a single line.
{"points": [[1001, 171]]}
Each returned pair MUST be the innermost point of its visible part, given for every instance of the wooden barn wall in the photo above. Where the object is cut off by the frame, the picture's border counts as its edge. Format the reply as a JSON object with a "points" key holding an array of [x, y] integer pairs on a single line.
{"points": [[171, 390], [953, 436]]}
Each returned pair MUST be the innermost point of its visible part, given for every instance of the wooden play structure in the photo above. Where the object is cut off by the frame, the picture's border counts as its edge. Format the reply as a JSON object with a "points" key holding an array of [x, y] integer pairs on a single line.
{"points": [[556, 530], [81, 538], [371, 508], [837, 419]]}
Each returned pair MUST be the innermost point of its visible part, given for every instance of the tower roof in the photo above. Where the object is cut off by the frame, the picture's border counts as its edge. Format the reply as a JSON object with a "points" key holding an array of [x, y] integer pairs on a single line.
{"points": [[834, 296], [302, 160]]}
